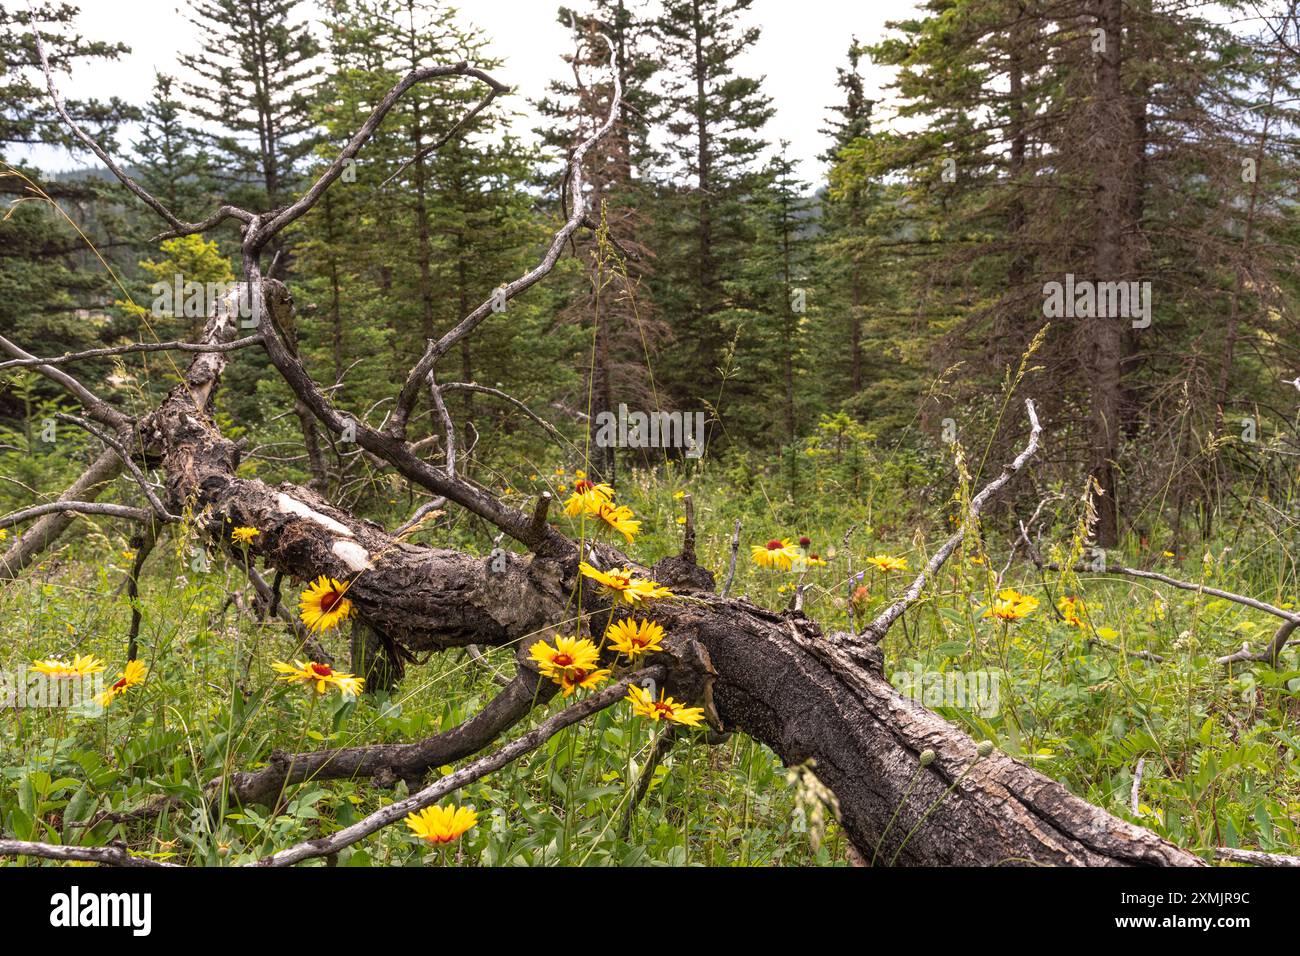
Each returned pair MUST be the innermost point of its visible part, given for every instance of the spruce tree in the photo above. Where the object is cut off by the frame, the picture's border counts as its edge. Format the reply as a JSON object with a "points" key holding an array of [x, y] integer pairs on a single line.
{"points": [[252, 83], [711, 161]]}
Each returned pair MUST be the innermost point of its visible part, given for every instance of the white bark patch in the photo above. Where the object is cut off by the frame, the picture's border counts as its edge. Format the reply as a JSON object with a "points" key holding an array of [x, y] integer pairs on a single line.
{"points": [[295, 507], [352, 554]]}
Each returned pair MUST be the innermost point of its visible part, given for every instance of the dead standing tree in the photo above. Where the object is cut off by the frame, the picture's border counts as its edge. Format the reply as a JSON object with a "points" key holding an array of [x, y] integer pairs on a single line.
{"points": [[911, 787]]}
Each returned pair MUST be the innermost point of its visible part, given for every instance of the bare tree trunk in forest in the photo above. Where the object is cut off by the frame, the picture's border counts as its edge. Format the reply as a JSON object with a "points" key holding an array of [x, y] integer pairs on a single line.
{"points": [[1134, 249], [1243, 259], [704, 145], [855, 330], [424, 244], [1006, 333], [336, 295], [1104, 336], [466, 357], [791, 326]]}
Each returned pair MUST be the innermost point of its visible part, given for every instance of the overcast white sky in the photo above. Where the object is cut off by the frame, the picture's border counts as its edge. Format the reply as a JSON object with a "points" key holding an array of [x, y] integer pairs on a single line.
{"points": [[802, 43]]}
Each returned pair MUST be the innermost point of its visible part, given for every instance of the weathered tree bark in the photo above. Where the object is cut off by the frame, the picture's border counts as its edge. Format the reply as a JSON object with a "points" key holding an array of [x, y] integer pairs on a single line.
{"points": [[1104, 339]]}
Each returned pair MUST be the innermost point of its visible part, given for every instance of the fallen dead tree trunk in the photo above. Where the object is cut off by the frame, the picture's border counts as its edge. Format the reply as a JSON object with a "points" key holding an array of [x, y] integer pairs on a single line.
{"points": [[773, 676], [911, 787]]}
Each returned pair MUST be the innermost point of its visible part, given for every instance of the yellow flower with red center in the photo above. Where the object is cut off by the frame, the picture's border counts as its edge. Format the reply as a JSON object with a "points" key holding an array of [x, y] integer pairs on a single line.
{"points": [[321, 676], [244, 535], [323, 605], [635, 638], [886, 563], [1071, 608], [665, 708], [625, 585], [597, 500], [1011, 605], [577, 677], [777, 553], [132, 675], [618, 518], [586, 496], [568, 654], [82, 665], [442, 824]]}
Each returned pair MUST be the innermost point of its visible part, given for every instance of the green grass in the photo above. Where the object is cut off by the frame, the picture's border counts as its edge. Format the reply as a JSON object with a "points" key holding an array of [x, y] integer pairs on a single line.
{"points": [[1221, 751]]}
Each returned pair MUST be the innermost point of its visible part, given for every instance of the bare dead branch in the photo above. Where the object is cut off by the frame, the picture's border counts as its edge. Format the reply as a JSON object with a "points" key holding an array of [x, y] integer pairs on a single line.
{"points": [[658, 750], [162, 513], [406, 399], [497, 393], [48, 528], [688, 531], [1189, 586], [405, 761], [133, 348], [264, 228], [1270, 654], [144, 544], [394, 451], [93, 146], [877, 628], [539, 514], [447, 137], [76, 507], [1255, 857], [270, 598], [95, 406], [448, 428], [1136, 791], [431, 794], [108, 855], [203, 225]]}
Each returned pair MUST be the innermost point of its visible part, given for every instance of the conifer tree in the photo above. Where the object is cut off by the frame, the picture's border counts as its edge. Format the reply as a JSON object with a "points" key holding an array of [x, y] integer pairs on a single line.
{"points": [[714, 119], [252, 82], [611, 298]]}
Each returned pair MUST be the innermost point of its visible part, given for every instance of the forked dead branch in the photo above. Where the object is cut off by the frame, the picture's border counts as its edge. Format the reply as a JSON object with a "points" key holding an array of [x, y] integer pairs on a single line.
{"points": [[808, 695]]}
